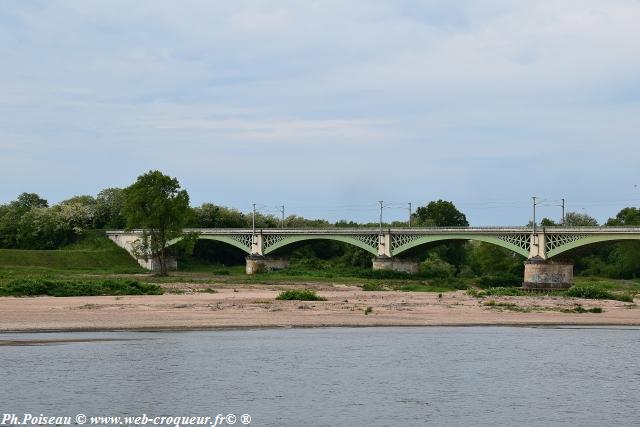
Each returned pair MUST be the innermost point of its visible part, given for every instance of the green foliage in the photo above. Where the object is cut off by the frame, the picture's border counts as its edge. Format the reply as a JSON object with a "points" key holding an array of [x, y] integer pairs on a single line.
{"points": [[69, 288], [300, 295], [506, 306], [575, 219], [580, 309], [374, 287], [627, 216], [546, 222], [440, 213], [209, 215], [156, 204], [110, 209], [498, 292], [487, 259], [434, 267], [368, 311], [27, 201], [590, 292], [498, 280], [94, 253]]}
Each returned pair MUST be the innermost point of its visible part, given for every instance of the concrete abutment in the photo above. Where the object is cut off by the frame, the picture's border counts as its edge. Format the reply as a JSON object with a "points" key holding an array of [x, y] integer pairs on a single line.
{"points": [[542, 275], [403, 265], [261, 264]]}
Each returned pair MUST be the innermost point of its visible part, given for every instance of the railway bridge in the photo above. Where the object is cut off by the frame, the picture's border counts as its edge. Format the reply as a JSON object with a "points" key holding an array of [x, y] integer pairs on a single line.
{"points": [[539, 246]]}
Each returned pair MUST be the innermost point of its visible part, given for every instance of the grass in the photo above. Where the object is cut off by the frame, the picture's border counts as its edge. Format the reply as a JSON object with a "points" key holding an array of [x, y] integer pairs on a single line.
{"points": [[299, 295], [506, 306], [95, 253], [499, 291], [515, 307], [592, 292], [69, 288]]}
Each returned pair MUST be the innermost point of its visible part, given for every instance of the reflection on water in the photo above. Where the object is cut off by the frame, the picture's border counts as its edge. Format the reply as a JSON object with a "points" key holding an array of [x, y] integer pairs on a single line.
{"points": [[332, 376]]}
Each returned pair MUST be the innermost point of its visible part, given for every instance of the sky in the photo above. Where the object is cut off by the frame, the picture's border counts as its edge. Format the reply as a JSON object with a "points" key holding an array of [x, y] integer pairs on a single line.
{"points": [[327, 107]]}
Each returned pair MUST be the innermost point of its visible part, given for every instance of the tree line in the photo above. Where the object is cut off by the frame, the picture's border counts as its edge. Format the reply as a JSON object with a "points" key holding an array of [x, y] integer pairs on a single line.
{"points": [[157, 202]]}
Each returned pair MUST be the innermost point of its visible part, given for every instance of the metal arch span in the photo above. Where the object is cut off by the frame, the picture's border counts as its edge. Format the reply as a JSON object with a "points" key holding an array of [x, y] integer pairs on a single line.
{"points": [[520, 249], [231, 240], [569, 242], [336, 237]]}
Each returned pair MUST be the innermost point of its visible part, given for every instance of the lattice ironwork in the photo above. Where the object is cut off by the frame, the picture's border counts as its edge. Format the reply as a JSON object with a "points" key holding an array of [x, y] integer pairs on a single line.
{"points": [[244, 239], [368, 239], [398, 240], [269, 240], [554, 241], [523, 241]]}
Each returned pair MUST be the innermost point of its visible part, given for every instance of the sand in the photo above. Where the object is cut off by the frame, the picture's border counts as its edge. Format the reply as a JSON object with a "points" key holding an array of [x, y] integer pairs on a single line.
{"points": [[255, 307]]}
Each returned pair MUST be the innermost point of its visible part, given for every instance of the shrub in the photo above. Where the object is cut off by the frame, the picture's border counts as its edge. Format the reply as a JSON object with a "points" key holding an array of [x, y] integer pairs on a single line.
{"points": [[368, 310], [590, 292], [72, 288], [300, 295], [498, 292], [373, 287], [435, 267], [499, 280]]}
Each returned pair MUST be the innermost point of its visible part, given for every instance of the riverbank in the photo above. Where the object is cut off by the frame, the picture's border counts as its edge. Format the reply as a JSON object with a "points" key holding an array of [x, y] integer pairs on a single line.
{"points": [[254, 306]]}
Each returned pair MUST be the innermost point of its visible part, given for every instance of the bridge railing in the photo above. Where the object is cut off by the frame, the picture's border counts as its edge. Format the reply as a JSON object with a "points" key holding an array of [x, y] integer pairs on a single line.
{"points": [[370, 230]]}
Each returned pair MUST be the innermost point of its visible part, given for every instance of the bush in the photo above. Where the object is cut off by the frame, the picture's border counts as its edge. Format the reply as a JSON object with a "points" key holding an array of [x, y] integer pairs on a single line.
{"points": [[499, 280], [590, 292], [498, 292], [72, 288], [300, 295], [373, 287], [434, 267]]}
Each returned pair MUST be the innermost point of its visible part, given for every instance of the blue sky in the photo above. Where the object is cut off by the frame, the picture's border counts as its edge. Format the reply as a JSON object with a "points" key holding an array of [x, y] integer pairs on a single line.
{"points": [[327, 106]]}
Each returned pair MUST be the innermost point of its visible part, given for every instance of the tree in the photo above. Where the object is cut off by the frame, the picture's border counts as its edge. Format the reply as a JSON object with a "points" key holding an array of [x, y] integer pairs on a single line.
{"points": [[575, 219], [440, 214], [546, 222], [211, 216], [156, 204], [627, 216], [109, 209], [443, 213], [28, 201]]}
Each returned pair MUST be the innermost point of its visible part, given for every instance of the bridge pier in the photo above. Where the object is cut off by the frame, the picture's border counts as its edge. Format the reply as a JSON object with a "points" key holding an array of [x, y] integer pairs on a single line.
{"points": [[542, 275], [261, 264], [403, 265], [153, 264]]}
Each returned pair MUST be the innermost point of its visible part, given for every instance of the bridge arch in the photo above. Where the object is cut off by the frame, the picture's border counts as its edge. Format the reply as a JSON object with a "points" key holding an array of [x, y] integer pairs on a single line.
{"points": [[557, 244], [219, 238], [336, 237], [518, 245]]}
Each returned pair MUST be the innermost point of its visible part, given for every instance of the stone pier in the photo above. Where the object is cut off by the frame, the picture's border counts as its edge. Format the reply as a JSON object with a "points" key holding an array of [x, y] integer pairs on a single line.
{"points": [[404, 265], [261, 264], [541, 275]]}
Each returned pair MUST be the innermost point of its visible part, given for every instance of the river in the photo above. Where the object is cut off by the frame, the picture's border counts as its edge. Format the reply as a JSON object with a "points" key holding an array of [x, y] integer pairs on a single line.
{"points": [[332, 376]]}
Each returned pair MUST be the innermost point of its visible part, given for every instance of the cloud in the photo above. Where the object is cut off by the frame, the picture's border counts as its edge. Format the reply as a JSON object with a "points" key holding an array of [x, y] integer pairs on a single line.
{"points": [[322, 102]]}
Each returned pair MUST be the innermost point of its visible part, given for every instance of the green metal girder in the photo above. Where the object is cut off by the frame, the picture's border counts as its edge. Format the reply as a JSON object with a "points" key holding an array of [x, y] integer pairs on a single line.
{"points": [[479, 237], [589, 240], [220, 238], [340, 238]]}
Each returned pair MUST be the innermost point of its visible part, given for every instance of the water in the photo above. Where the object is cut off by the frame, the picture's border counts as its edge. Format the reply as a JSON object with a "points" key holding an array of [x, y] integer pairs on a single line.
{"points": [[335, 376]]}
